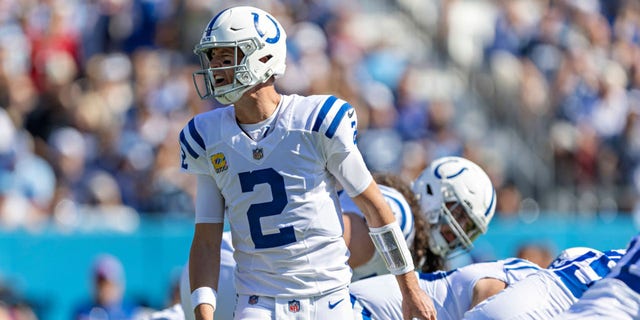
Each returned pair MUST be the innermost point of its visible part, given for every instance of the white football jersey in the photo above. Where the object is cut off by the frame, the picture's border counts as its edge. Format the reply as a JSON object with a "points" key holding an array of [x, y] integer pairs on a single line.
{"points": [[404, 216], [226, 288], [617, 296], [280, 193], [550, 291], [451, 291]]}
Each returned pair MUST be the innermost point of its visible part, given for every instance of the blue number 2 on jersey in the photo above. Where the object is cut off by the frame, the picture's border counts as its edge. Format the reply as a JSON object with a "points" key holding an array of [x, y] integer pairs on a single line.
{"points": [[248, 180]]}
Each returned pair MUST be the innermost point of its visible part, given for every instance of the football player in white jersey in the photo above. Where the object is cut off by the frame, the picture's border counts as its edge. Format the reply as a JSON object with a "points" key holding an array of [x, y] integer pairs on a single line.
{"points": [[366, 263], [453, 292], [273, 163], [550, 291], [457, 200], [403, 202], [616, 296]]}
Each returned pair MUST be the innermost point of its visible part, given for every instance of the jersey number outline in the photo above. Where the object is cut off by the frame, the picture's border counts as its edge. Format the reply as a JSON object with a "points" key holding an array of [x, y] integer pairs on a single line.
{"points": [[248, 180]]}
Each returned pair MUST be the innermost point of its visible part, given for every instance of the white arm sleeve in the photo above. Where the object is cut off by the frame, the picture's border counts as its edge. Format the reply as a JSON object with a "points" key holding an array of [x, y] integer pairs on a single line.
{"points": [[209, 201], [350, 170]]}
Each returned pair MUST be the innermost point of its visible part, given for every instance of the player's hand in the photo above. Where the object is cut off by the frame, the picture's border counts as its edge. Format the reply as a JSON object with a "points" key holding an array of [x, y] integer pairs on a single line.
{"points": [[204, 312], [417, 305], [415, 302]]}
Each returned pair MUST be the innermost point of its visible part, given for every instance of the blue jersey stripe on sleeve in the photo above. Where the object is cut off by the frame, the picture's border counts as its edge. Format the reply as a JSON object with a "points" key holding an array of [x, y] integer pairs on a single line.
{"points": [[516, 261], [518, 264], [601, 266], [433, 276], [183, 140], [576, 287], [195, 134], [336, 121], [523, 267], [323, 112], [615, 255]]}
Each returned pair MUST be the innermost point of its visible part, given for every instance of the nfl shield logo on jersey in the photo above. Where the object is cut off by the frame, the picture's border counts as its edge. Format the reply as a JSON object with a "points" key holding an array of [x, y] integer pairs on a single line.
{"points": [[257, 153], [253, 300], [294, 306]]}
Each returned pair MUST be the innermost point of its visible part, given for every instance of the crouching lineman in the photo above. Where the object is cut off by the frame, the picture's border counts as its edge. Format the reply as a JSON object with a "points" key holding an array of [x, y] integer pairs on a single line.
{"points": [[550, 291], [458, 200], [616, 296], [453, 292]]}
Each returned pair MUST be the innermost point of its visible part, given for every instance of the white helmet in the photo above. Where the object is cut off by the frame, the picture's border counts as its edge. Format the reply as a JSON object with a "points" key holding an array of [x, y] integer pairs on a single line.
{"points": [[458, 200], [571, 254], [261, 39]]}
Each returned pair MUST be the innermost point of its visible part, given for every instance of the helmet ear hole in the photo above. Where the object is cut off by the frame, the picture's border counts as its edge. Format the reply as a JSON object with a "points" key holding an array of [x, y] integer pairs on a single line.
{"points": [[266, 58], [429, 191]]}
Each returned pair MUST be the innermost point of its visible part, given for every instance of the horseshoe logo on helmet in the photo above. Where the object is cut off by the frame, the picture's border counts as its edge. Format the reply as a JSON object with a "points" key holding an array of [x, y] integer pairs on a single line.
{"points": [[438, 175], [273, 39]]}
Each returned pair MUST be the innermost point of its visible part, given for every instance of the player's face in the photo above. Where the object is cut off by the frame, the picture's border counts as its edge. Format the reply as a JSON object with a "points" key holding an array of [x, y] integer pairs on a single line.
{"points": [[107, 291], [458, 213], [224, 58]]}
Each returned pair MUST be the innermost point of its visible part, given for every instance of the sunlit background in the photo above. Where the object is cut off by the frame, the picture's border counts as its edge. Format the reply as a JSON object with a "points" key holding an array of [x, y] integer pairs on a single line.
{"points": [[544, 95]]}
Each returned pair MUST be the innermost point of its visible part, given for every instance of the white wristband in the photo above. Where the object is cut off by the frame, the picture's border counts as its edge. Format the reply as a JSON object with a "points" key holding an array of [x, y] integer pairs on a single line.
{"points": [[204, 295]]}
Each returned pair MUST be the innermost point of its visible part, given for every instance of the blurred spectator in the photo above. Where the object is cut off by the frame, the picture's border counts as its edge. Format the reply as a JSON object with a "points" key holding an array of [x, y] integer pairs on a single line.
{"points": [[551, 89], [13, 306], [381, 144], [26, 180], [172, 309], [545, 95], [539, 254], [509, 199], [108, 298]]}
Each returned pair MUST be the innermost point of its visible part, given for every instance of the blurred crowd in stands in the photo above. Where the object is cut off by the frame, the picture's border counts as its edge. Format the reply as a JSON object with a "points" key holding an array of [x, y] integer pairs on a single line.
{"points": [[544, 95]]}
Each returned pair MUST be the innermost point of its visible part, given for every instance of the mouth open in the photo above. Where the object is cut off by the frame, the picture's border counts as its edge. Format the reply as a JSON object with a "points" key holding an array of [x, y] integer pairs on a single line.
{"points": [[219, 80]]}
